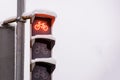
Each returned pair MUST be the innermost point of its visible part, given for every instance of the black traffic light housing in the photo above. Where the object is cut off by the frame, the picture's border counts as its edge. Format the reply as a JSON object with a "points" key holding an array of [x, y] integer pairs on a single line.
{"points": [[42, 48], [42, 69]]}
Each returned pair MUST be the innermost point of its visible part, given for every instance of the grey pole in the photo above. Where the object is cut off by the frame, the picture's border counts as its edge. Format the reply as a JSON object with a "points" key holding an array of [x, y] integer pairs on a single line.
{"points": [[20, 42]]}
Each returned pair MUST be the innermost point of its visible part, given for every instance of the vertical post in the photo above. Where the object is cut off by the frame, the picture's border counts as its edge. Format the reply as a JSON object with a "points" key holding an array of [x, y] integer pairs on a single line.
{"points": [[20, 43]]}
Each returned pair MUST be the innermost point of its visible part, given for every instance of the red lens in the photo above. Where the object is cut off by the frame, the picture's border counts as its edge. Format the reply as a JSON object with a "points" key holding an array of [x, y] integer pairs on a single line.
{"points": [[41, 25]]}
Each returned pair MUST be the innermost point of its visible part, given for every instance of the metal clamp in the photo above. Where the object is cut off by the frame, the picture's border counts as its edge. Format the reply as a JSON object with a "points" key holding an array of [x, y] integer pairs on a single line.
{"points": [[20, 19]]}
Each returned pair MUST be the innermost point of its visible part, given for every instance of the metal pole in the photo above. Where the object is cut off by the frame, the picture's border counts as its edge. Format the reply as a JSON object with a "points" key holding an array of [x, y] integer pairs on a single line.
{"points": [[20, 42]]}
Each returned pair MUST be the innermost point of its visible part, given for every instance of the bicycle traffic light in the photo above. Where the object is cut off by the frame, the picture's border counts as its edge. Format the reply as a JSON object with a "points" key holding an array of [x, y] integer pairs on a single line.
{"points": [[42, 42], [42, 23]]}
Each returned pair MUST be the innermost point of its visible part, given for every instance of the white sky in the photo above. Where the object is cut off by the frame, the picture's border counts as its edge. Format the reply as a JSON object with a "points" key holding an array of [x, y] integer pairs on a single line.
{"points": [[87, 36]]}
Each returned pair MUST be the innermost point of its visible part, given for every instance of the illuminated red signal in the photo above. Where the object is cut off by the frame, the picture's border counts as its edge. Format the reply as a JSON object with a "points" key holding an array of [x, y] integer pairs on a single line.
{"points": [[41, 25]]}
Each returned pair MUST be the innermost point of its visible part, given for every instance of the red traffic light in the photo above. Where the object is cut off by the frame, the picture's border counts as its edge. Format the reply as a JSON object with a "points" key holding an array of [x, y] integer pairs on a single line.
{"points": [[41, 24]]}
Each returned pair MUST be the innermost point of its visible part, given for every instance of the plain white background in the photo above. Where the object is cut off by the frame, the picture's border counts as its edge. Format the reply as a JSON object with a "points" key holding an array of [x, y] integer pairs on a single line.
{"points": [[87, 36]]}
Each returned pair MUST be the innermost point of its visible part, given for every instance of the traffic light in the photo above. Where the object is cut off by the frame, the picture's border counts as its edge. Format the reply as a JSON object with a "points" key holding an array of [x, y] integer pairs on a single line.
{"points": [[42, 42], [42, 69], [42, 48], [42, 23]]}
